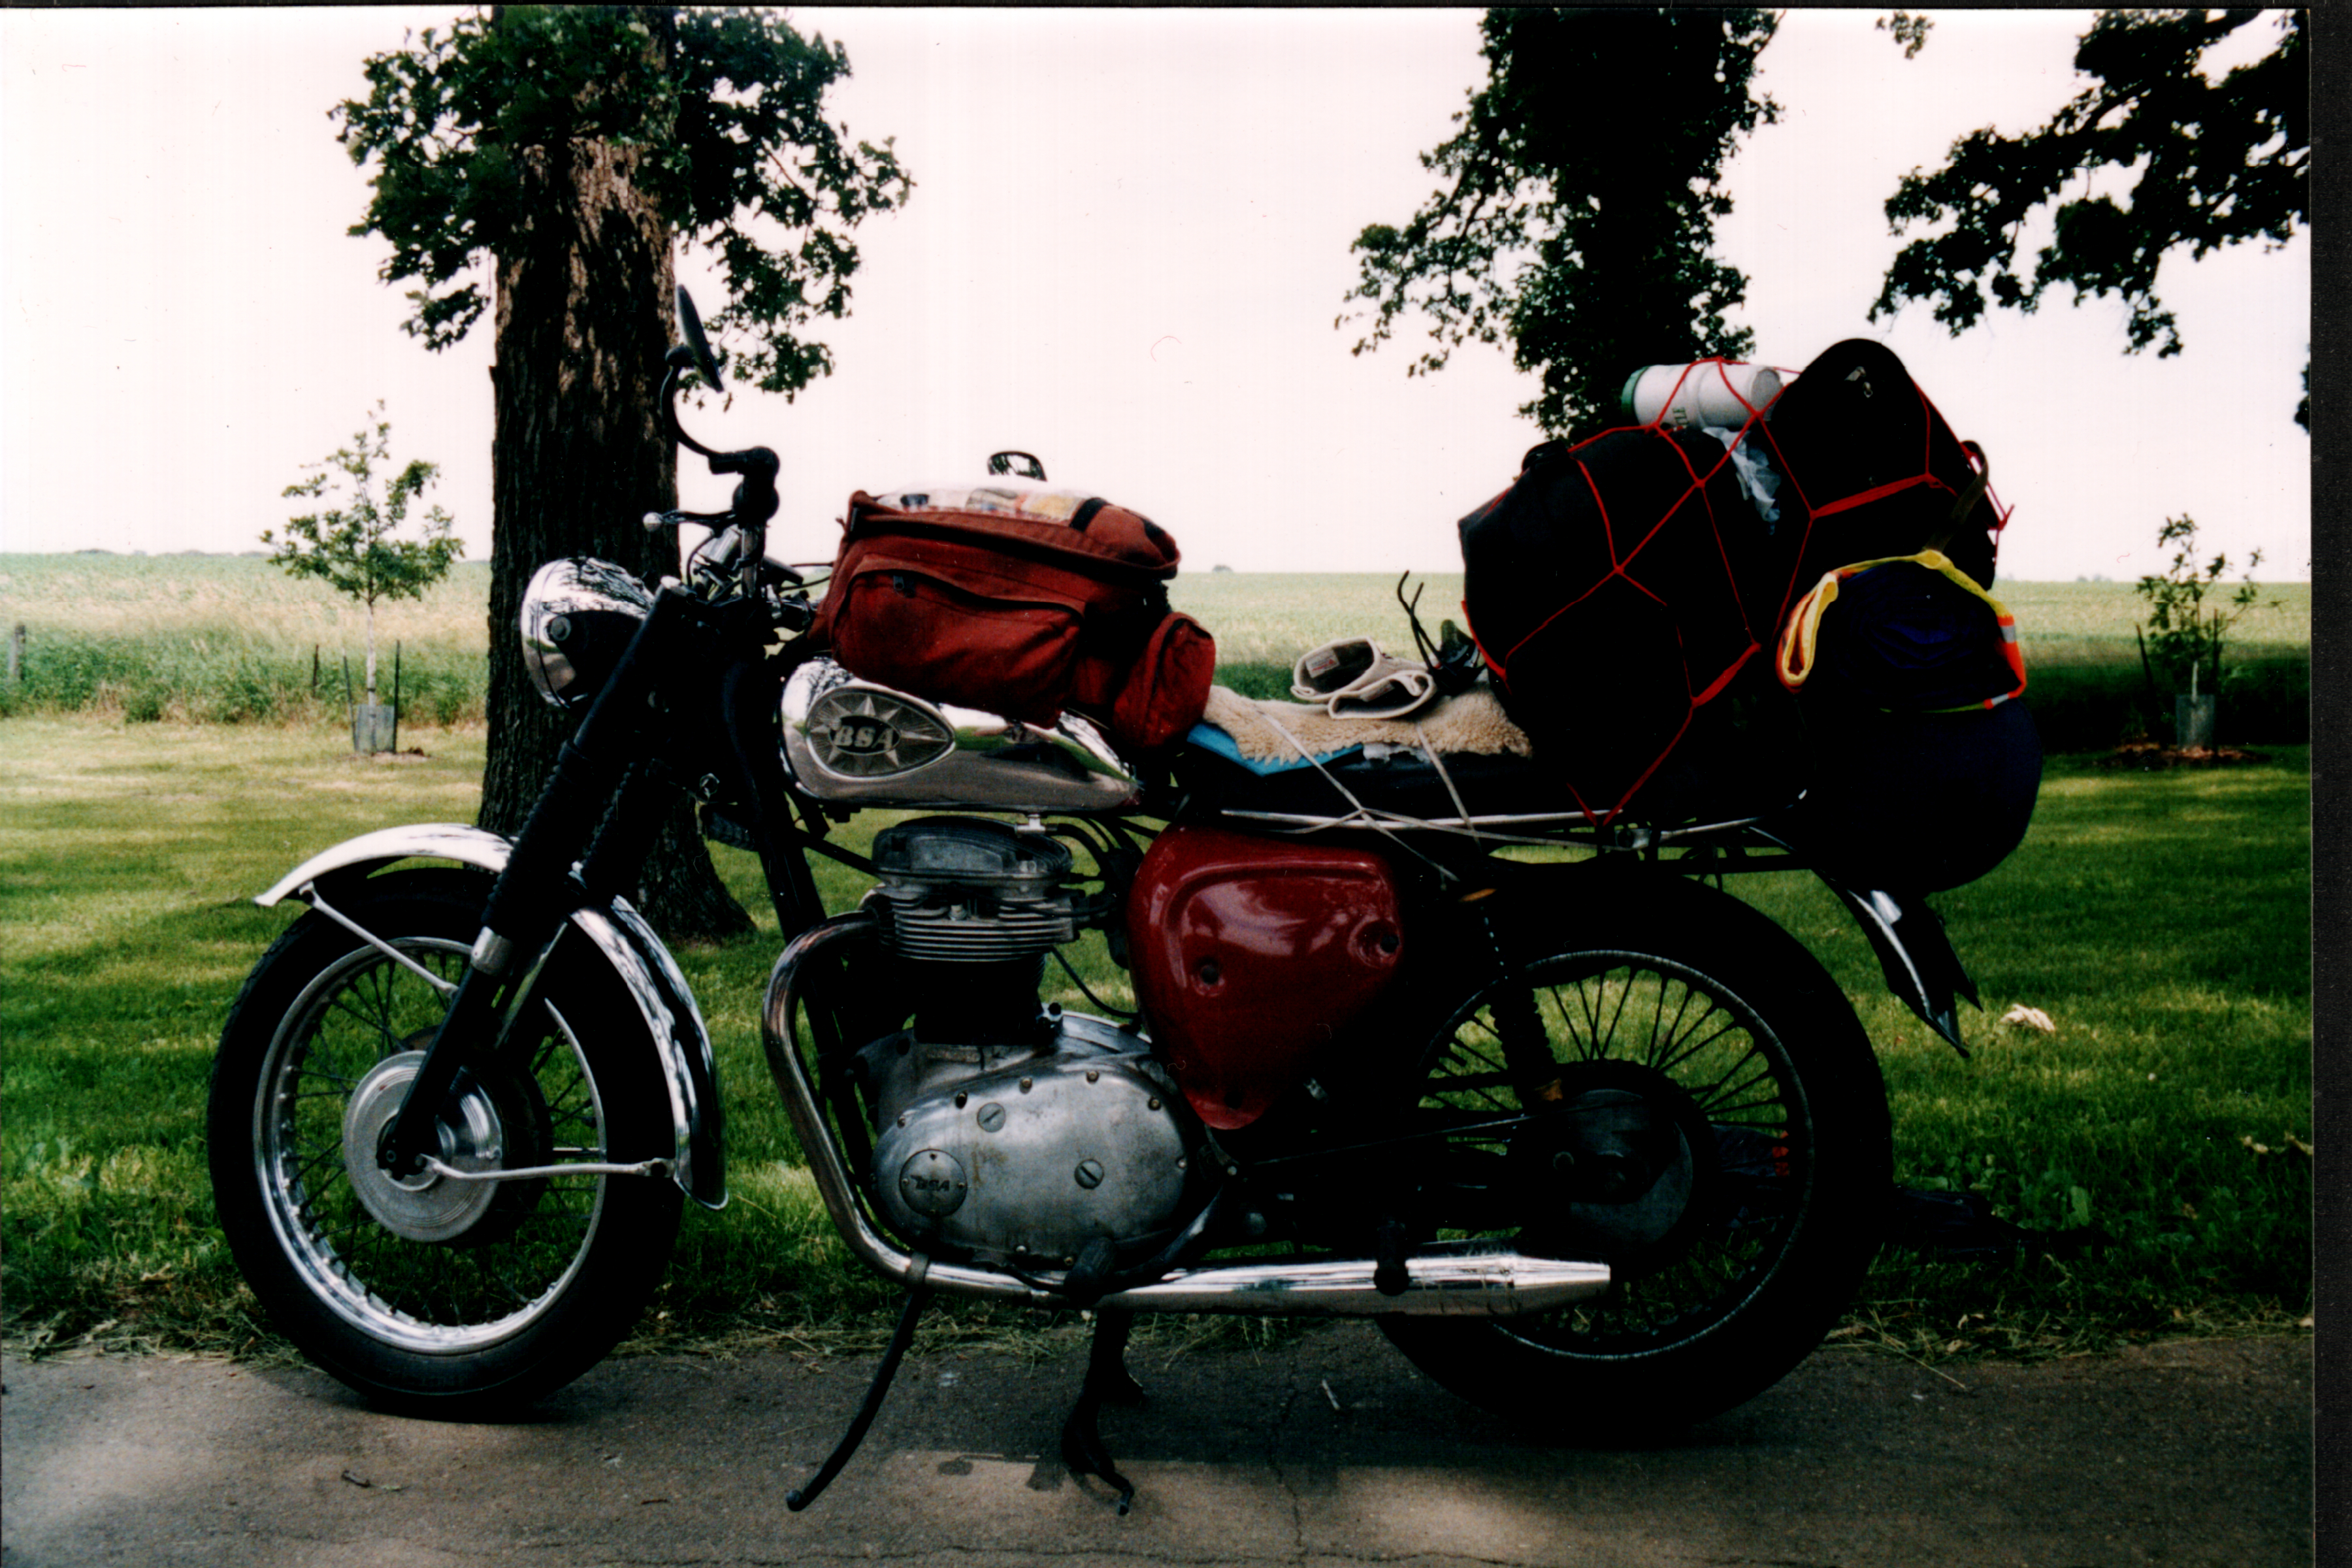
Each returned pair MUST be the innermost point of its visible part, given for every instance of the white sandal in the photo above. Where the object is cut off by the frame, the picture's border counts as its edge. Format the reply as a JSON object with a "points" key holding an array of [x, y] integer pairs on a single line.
{"points": [[1354, 678]]}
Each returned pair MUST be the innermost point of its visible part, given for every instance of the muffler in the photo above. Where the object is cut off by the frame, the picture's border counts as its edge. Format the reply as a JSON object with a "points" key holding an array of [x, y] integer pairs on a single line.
{"points": [[1439, 1282]]}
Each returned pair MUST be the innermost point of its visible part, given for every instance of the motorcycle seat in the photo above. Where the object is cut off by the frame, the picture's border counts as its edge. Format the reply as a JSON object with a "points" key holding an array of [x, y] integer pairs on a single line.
{"points": [[1460, 755]]}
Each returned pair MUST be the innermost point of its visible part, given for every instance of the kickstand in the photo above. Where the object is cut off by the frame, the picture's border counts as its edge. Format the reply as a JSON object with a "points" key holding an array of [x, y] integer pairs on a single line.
{"points": [[800, 1498], [1107, 1379]]}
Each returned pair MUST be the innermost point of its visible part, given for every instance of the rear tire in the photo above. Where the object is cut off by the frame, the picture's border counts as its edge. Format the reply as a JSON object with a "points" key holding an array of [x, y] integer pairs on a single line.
{"points": [[1785, 1200], [439, 1297]]}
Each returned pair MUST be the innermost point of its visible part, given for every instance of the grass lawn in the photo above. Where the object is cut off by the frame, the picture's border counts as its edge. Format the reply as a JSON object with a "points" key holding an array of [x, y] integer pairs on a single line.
{"points": [[2161, 920]]}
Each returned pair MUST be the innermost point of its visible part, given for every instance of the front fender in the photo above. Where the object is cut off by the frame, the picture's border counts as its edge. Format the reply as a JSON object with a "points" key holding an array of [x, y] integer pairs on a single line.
{"points": [[673, 1024], [371, 852]]}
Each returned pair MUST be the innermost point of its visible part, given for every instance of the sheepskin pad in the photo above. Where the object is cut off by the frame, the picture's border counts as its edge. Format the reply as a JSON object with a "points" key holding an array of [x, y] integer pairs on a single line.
{"points": [[1276, 733]]}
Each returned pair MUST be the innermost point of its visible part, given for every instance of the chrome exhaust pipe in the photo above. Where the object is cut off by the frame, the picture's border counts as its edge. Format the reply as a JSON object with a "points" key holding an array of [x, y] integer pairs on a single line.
{"points": [[1439, 1282], [1448, 1280]]}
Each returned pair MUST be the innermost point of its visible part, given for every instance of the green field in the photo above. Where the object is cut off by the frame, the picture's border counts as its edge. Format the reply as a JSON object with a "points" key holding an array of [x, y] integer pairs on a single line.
{"points": [[231, 638], [2161, 920]]}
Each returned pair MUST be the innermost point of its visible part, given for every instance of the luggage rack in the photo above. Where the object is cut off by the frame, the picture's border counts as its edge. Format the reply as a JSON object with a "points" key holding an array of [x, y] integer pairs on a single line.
{"points": [[1711, 848]]}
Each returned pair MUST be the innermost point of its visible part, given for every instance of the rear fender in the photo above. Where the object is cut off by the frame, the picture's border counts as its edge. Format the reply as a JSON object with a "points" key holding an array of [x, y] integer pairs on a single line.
{"points": [[1916, 957], [1914, 953], [673, 1024]]}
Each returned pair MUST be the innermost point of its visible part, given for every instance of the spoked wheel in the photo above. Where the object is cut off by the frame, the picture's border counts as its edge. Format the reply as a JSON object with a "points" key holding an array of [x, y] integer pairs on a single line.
{"points": [[436, 1293], [1713, 1126]]}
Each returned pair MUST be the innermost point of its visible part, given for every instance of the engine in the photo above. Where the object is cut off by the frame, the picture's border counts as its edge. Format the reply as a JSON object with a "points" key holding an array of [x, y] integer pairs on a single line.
{"points": [[1007, 1131]]}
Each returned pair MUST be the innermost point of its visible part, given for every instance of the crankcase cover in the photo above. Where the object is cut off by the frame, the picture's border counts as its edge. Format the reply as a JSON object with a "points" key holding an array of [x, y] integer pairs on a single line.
{"points": [[1251, 954], [1031, 1162]]}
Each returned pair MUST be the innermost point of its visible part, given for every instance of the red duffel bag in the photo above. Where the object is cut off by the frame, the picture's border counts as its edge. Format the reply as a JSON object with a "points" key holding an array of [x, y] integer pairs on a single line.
{"points": [[1022, 600]]}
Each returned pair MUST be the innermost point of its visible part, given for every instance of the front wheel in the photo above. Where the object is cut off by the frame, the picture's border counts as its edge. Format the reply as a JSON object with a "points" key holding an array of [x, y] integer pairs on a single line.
{"points": [[1716, 1132], [436, 1294]]}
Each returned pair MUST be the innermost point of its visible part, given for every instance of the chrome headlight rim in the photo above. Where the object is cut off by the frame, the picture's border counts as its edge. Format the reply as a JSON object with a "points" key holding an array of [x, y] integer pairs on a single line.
{"points": [[578, 615]]}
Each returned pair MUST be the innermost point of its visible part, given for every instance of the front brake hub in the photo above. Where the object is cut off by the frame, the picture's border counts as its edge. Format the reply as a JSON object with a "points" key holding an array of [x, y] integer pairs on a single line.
{"points": [[487, 1125]]}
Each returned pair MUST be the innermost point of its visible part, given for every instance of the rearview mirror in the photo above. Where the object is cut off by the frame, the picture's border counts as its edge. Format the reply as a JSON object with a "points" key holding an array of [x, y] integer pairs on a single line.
{"points": [[690, 323]]}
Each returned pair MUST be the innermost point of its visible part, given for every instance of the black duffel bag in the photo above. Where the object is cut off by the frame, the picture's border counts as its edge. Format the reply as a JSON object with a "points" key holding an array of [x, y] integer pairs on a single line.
{"points": [[1620, 590]]}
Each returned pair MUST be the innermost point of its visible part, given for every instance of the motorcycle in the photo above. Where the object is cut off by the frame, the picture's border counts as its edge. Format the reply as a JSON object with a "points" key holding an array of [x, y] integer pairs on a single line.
{"points": [[1587, 1136]]}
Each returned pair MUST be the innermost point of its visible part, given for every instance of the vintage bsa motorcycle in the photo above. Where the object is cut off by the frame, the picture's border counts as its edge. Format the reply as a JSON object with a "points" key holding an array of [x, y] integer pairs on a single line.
{"points": [[1443, 1015]]}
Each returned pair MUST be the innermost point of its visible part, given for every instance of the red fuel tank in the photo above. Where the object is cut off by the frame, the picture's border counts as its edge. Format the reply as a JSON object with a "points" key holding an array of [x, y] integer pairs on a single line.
{"points": [[1249, 953]]}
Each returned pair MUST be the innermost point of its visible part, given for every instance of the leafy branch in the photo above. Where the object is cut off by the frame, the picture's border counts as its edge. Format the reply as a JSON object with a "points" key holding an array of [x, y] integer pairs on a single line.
{"points": [[2209, 163], [1582, 238]]}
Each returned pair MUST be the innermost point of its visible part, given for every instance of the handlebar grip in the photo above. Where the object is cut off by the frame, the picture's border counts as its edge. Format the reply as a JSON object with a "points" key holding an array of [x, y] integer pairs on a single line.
{"points": [[751, 460]]}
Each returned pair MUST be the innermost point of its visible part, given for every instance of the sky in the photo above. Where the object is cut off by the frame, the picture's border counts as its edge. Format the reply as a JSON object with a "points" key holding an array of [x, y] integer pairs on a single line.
{"points": [[1126, 252]]}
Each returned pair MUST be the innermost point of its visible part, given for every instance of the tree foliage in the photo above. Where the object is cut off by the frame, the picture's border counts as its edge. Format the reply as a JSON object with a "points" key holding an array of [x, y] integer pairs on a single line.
{"points": [[1580, 204], [721, 112], [1908, 30], [2209, 162], [358, 547], [548, 160]]}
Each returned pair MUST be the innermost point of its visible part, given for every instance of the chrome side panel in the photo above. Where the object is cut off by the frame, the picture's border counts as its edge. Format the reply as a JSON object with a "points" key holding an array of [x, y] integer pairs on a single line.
{"points": [[665, 1004], [858, 742]]}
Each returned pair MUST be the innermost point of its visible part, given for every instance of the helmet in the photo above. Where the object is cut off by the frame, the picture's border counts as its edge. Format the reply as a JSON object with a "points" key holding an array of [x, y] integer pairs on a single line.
{"points": [[578, 615]]}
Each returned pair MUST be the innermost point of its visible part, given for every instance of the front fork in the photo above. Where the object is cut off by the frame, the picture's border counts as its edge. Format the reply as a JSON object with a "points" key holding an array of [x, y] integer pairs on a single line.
{"points": [[536, 891]]}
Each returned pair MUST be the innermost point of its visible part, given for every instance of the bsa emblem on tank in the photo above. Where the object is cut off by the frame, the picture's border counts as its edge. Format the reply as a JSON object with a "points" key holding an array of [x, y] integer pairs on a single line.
{"points": [[863, 734], [854, 741]]}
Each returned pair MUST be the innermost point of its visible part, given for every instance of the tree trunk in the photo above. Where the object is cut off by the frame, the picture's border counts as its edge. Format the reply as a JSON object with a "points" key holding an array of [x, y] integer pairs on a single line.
{"points": [[578, 456]]}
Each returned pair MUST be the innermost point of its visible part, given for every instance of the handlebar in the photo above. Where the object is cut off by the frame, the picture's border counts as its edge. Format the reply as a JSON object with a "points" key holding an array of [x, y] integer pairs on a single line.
{"points": [[656, 521], [755, 500]]}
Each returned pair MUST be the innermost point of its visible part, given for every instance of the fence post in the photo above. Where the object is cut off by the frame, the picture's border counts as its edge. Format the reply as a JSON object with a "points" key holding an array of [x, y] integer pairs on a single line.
{"points": [[16, 654]]}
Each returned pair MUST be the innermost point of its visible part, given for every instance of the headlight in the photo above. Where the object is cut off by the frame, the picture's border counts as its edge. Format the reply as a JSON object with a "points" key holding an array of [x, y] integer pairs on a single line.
{"points": [[578, 615]]}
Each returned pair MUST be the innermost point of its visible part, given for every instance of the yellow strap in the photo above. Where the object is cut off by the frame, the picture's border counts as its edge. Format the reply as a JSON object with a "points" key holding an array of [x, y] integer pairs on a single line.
{"points": [[1800, 633]]}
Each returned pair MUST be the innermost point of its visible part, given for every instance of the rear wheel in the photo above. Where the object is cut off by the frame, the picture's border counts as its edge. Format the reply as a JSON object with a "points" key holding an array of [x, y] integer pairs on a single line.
{"points": [[1716, 1132], [435, 1294]]}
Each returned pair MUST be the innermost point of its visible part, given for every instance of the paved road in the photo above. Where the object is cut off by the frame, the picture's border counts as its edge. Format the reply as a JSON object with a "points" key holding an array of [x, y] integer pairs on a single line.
{"points": [[1330, 1451]]}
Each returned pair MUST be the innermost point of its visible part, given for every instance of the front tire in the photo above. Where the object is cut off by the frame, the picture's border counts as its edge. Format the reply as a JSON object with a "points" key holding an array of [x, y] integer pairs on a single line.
{"points": [[437, 1297], [1647, 986]]}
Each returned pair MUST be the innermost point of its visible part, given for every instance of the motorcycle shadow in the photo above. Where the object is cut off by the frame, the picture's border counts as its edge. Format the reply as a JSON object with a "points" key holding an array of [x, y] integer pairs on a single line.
{"points": [[1339, 1397], [307, 1382]]}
